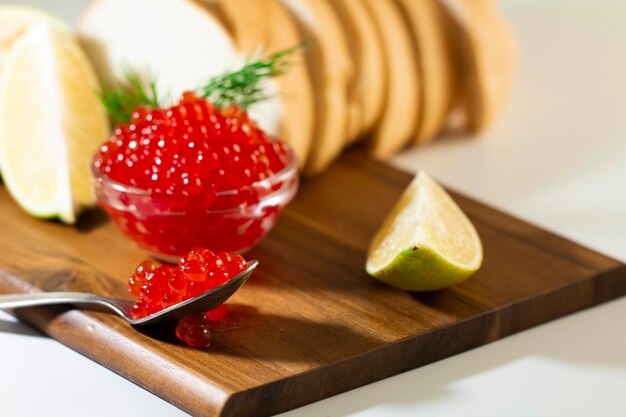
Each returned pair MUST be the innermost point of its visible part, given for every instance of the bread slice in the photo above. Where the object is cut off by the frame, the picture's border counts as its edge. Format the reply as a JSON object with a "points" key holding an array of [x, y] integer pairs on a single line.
{"points": [[245, 20], [180, 42], [367, 90], [488, 51], [163, 37], [295, 86], [399, 117], [265, 25], [331, 72], [436, 59]]}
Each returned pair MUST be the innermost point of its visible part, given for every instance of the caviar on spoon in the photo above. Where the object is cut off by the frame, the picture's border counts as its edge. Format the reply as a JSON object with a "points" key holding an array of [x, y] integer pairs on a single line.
{"points": [[207, 301]]}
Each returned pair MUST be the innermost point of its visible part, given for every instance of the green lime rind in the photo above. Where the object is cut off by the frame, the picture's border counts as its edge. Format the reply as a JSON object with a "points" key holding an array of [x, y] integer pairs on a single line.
{"points": [[420, 268]]}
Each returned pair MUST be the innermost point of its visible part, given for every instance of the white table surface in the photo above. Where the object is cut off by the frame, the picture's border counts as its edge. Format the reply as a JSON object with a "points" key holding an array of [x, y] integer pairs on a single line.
{"points": [[557, 157]]}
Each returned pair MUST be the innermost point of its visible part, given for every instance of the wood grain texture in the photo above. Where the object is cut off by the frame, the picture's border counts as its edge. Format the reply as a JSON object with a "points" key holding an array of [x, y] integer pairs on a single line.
{"points": [[310, 323]]}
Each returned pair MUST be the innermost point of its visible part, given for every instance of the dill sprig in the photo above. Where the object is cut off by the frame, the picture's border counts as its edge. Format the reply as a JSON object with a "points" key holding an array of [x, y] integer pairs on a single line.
{"points": [[120, 99], [241, 87]]}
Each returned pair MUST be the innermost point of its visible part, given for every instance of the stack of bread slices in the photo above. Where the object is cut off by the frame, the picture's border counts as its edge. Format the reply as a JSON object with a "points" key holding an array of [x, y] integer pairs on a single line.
{"points": [[388, 72]]}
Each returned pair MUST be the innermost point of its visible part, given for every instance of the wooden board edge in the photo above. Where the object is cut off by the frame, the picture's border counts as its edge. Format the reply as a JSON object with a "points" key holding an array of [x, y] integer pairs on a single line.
{"points": [[404, 355], [286, 394], [54, 321]]}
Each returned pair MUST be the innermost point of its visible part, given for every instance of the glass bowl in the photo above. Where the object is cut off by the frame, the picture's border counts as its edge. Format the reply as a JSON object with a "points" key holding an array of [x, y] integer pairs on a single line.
{"points": [[168, 227]]}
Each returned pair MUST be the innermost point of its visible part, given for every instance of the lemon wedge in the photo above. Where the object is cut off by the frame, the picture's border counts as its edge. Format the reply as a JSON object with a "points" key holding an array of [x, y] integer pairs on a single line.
{"points": [[15, 20], [426, 243], [51, 123]]}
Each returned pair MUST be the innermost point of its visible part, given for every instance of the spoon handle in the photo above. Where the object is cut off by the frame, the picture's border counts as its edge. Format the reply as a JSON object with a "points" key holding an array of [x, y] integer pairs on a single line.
{"points": [[44, 298], [81, 299]]}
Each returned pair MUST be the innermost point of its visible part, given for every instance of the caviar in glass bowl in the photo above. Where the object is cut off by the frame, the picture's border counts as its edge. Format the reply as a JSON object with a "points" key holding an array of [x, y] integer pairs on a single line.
{"points": [[194, 176]]}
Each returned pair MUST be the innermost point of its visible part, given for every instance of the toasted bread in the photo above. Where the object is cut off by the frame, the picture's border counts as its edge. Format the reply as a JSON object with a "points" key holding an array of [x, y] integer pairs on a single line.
{"points": [[488, 51], [437, 64], [331, 72], [367, 90], [398, 121]]}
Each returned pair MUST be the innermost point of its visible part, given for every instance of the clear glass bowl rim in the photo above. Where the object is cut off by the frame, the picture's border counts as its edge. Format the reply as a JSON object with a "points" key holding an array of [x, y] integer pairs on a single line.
{"points": [[288, 172]]}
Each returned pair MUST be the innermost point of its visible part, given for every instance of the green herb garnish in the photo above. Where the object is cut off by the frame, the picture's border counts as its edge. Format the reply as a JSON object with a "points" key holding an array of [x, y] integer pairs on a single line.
{"points": [[241, 87], [121, 99]]}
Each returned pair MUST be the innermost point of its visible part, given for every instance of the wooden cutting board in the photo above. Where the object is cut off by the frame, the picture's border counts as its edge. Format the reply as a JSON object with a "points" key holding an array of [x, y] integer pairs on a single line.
{"points": [[310, 323]]}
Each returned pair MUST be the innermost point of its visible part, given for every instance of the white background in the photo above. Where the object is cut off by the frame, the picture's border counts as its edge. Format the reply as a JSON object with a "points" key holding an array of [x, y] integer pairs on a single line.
{"points": [[556, 157]]}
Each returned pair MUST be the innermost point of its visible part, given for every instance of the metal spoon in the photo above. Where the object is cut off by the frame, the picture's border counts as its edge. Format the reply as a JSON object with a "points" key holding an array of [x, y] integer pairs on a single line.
{"points": [[88, 301]]}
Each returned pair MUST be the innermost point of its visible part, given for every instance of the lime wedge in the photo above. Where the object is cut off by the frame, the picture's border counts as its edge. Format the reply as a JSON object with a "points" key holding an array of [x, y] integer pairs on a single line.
{"points": [[51, 123], [426, 243]]}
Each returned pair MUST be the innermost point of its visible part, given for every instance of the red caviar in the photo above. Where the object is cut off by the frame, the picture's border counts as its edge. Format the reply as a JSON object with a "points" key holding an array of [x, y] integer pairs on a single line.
{"points": [[198, 271]]}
